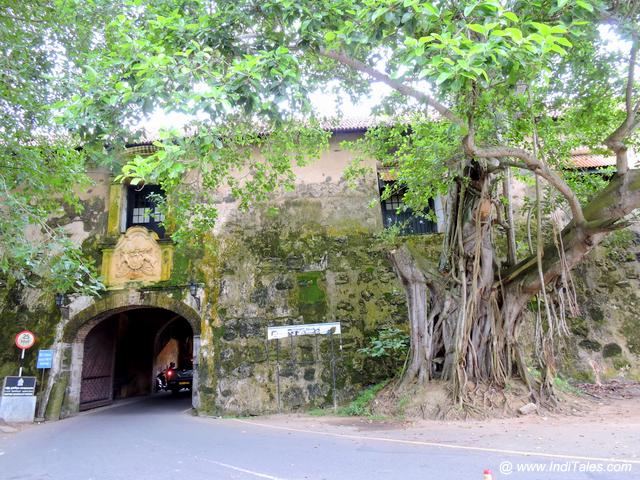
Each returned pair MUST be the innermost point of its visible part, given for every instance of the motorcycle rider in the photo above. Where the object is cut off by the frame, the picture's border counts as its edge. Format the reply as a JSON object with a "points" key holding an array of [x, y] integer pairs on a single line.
{"points": [[161, 378]]}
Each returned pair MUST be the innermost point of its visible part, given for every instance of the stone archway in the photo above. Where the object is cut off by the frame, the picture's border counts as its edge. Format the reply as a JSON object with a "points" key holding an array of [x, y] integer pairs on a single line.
{"points": [[62, 396]]}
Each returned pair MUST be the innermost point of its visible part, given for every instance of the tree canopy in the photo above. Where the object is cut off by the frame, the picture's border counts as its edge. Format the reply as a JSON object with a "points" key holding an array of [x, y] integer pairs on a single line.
{"points": [[491, 71], [42, 166]]}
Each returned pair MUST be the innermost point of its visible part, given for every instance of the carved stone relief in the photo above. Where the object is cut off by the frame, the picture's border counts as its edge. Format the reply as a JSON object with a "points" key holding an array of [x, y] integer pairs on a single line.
{"points": [[136, 257]]}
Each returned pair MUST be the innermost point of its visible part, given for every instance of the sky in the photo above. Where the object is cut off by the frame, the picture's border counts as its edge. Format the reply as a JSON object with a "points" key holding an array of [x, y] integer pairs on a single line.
{"points": [[323, 102]]}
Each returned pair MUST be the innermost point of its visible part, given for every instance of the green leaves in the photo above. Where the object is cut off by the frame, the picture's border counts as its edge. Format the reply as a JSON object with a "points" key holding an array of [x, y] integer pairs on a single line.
{"points": [[487, 42], [390, 342], [41, 168], [477, 28], [511, 16], [585, 5]]}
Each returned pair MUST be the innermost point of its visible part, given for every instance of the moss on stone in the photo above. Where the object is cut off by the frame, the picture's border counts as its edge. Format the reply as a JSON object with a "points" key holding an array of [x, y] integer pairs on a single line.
{"points": [[284, 275], [578, 326], [611, 350], [311, 296], [631, 332], [591, 345], [425, 249], [596, 313], [56, 399], [621, 363]]}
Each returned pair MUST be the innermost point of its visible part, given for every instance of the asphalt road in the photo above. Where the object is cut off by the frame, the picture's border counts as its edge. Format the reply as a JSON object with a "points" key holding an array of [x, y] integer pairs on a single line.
{"points": [[156, 438]]}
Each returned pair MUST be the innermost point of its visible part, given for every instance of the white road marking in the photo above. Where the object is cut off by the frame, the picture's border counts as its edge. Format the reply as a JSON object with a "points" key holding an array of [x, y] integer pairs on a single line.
{"points": [[221, 464], [239, 469], [444, 445]]}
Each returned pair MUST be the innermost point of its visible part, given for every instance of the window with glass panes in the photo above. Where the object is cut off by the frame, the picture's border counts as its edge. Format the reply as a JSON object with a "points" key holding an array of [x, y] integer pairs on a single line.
{"points": [[395, 213], [142, 209]]}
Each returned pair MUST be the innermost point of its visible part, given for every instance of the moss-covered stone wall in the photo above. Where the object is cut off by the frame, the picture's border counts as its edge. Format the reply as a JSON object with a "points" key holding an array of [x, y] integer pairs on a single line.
{"points": [[279, 277], [318, 259], [606, 335], [22, 307], [312, 255]]}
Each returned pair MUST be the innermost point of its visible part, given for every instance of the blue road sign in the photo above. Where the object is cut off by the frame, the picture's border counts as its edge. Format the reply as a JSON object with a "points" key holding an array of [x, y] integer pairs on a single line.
{"points": [[45, 359]]}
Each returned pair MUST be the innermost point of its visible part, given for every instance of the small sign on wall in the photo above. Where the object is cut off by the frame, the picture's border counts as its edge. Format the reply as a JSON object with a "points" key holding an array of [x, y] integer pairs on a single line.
{"points": [[286, 331], [291, 331]]}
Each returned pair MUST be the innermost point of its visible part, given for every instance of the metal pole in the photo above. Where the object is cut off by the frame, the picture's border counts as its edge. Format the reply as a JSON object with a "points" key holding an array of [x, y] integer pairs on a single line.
{"points": [[293, 350], [278, 372], [333, 373], [21, 363]]}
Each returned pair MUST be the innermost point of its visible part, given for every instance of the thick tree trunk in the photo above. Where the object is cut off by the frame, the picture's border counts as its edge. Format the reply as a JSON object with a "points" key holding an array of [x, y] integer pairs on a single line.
{"points": [[453, 312], [419, 300], [465, 316]]}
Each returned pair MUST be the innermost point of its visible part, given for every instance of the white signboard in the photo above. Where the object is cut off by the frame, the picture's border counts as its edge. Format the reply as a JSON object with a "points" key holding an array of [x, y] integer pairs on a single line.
{"points": [[285, 331]]}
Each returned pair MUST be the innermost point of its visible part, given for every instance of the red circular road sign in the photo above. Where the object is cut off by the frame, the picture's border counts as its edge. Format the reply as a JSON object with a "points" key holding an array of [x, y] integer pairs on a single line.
{"points": [[25, 339]]}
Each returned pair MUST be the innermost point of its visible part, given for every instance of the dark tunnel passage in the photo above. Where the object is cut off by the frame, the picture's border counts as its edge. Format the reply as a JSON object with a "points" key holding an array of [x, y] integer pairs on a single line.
{"points": [[124, 353]]}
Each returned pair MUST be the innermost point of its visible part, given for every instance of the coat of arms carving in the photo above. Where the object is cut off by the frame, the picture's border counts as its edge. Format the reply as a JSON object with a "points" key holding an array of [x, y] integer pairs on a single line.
{"points": [[137, 257]]}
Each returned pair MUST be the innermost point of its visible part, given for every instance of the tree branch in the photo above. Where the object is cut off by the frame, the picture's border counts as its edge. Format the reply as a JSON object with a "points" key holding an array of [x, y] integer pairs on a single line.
{"points": [[604, 213], [631, 74], [532, 164], [395, 84], [615, 141], [510, 224]]}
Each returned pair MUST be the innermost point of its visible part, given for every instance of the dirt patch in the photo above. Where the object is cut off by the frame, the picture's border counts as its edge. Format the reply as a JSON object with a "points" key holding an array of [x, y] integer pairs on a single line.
{"points": [[433, 401], [369, 424], [613, 390]]}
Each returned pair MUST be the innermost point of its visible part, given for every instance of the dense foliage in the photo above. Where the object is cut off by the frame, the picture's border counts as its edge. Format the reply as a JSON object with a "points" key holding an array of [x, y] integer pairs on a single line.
{"points": [[41, 166], [501, 68]]}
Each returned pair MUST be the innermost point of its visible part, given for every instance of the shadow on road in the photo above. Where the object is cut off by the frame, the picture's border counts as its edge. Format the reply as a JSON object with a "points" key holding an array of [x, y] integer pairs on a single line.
{"points": [[156, 404]]}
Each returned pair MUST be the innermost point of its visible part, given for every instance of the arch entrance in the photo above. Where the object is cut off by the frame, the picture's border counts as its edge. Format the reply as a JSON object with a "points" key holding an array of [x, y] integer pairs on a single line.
{"points": [[124, 352], [114, 347]]}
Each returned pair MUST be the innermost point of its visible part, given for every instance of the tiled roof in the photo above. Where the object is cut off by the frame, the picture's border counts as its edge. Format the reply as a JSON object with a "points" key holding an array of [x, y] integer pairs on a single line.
{"points": [[581, 157], [355, 124], [584, 158], [338, 125]]}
